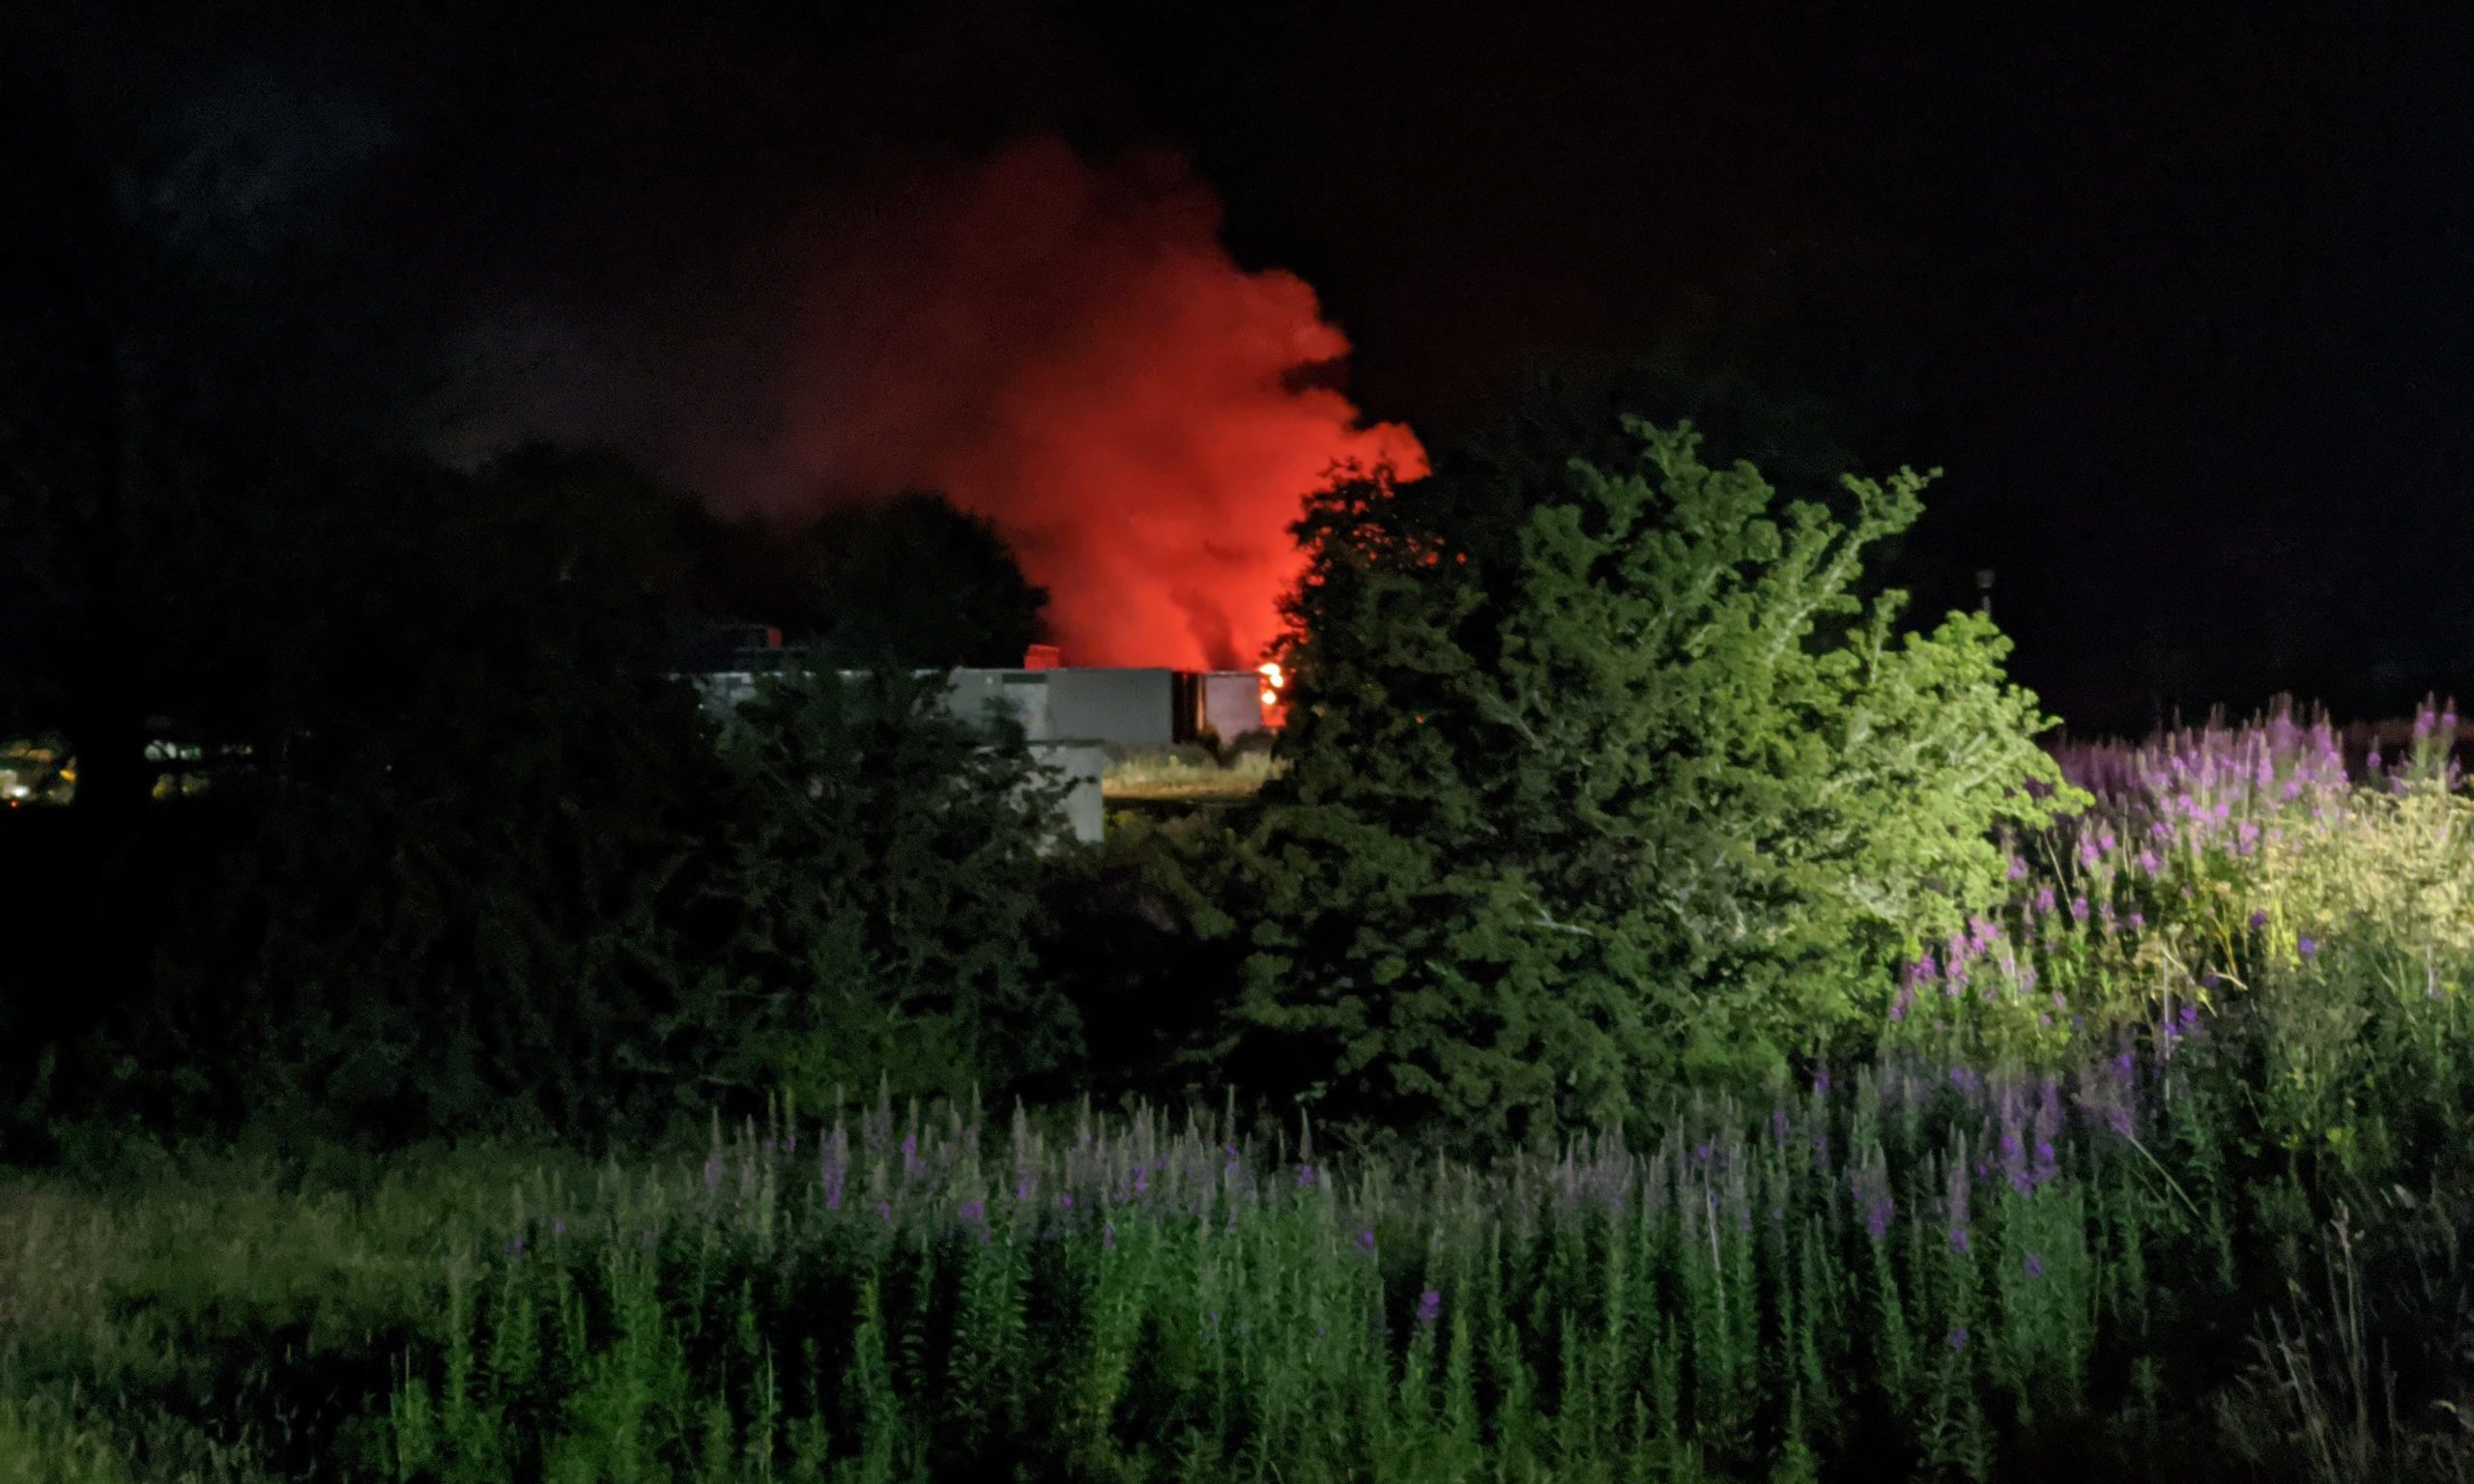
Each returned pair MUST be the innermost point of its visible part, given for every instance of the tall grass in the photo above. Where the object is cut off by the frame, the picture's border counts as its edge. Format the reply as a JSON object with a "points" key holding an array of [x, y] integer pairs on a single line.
{"points": [[1186, 773], [1927, 1275], [2160, 1171]]}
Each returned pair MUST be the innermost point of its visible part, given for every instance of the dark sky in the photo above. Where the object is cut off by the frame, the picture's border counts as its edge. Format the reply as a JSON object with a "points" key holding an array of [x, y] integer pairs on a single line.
{"points": [[2175, 293]]}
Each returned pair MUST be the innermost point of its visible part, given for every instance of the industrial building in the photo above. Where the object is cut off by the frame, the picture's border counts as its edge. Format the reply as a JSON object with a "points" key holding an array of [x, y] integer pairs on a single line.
{"points": [[1074, 717]]}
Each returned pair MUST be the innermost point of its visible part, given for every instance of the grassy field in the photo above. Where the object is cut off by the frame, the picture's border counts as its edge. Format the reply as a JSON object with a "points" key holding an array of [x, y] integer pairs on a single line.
{"points": [[2165, 1170], [1893, 1274], [1183, 774]]}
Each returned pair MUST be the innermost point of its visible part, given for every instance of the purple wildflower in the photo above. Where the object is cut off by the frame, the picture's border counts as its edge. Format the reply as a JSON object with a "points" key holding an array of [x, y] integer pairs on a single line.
{"points": [[1957, 1206], [2044, 901], [1958, 1340], [2079, 908], [1108, 1238], [2018, 871], [1429, 1307], [1305, 1176], [2014, 1162], [1365, 1240], [973, 1211], [2035, 1265], [2307, 948], [559, 1227], [2258, 919], [1870, 1186], [2013, 1139]]}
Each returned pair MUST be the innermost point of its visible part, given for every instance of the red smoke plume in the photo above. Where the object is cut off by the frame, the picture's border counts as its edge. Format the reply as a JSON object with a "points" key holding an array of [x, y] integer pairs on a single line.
{"points": [[1071, 352]]}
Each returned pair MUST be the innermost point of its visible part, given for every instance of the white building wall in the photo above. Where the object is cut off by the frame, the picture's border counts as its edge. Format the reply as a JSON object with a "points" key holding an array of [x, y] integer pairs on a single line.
{"points": [[1068, 716], [1232, 702]]}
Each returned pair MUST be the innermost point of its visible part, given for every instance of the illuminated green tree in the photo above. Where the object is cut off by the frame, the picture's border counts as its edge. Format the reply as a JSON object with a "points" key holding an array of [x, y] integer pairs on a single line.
{"points": [[1602, 776]]}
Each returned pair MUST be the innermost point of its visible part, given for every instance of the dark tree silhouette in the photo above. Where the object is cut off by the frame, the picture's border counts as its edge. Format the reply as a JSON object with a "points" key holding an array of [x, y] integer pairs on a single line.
{"points": [[916, 582]]}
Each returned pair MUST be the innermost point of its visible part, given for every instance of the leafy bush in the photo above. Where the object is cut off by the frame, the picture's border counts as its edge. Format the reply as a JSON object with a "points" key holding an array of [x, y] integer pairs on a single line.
{"points": [[878, 898], [2240, 875], [1599, 776], [445, 893]]}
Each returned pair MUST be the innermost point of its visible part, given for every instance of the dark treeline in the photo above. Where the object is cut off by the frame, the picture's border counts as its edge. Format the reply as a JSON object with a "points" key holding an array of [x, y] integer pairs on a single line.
{"points": [[422, 832], [389, 809], [393, 816]]}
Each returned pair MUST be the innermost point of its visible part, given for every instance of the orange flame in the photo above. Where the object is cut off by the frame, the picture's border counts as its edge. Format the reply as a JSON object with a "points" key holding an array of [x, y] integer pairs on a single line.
{"points": [[1275, 680]]}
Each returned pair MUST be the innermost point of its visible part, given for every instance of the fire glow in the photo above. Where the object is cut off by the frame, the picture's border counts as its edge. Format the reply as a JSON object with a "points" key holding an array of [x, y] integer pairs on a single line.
{"points": [[1070, 352], [1275, 681]]}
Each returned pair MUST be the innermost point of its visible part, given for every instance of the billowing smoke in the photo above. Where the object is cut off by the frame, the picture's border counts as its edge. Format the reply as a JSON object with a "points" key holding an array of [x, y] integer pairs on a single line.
{"points": [[1071, 352]]}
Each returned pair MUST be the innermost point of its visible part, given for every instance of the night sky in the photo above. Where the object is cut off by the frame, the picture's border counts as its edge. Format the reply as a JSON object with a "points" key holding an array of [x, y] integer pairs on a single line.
{"points": [[2176, 294]]}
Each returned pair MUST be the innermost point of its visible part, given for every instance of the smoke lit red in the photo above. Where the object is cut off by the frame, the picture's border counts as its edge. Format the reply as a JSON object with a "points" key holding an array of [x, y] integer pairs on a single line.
{"points": [[1073, 353]]}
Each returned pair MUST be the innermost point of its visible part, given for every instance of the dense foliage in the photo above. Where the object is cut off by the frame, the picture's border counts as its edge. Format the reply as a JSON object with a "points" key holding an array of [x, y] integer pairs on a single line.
{"points": [[464, 855], [1599, 776], [914, 580], [2130, 1136], [877, 896], [2142, 1183]]}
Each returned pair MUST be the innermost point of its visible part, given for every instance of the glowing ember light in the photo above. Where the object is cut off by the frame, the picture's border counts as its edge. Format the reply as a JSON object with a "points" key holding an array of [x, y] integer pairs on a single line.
{"points": [[1273, 681]]}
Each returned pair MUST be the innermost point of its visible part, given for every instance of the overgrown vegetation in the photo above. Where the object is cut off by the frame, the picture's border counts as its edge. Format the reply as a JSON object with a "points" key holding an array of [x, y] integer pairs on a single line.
{"points": [[1656, 1021], [1597, 778], [1187, 773]]}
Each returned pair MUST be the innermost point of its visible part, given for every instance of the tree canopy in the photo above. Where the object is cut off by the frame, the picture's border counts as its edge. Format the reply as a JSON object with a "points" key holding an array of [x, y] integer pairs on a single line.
{"points": [[1601, 771], [916, 582]]}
